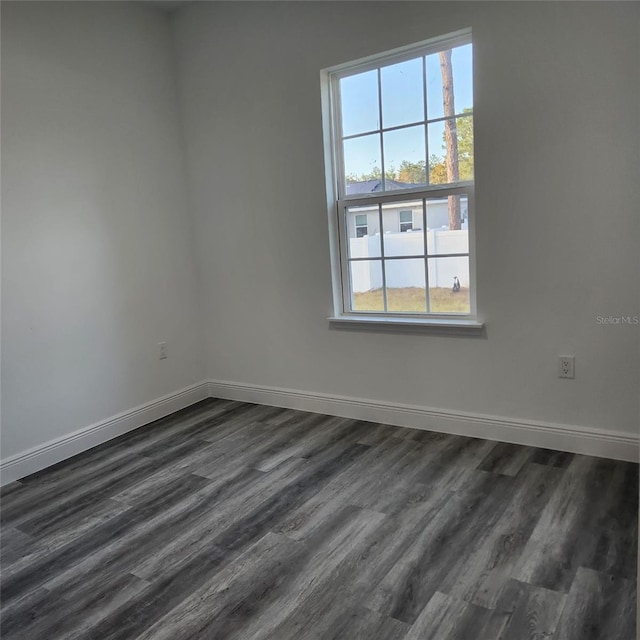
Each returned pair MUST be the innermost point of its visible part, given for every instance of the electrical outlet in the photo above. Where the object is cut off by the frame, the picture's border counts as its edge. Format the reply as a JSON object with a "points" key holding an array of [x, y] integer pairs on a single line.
{"points": [[566, 367], [162, 350]]}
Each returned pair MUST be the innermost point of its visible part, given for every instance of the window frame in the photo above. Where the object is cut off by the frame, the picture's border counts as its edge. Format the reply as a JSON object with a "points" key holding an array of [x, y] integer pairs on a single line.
{"points": [[346, 260], [339, 201]]}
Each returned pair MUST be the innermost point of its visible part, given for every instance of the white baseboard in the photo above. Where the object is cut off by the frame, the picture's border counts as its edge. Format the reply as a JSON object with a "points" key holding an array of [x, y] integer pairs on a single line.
{"points": [[42, 456], [618, 445]]}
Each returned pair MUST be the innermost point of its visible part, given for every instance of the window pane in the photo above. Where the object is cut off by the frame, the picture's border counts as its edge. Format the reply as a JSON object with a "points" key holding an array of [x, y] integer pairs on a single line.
{"points": [[362, 164], [359, 99], [462, 61], [406, 216], [366, 285], [402, 93], [448, 225], [449, 285], [461, 130], [399, 242], [363, 232], [404, 158], [406, 285], [461, 67]]}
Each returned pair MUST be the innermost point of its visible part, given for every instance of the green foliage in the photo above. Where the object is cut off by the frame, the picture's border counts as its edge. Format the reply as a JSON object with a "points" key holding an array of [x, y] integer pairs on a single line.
{"points": [[409, 172], [437, 168], [412, 172], [465, 147], [374, 174]]}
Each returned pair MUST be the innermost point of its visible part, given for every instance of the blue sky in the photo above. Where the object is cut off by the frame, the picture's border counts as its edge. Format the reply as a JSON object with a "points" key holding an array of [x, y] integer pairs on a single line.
{"points": [[402, 103]]}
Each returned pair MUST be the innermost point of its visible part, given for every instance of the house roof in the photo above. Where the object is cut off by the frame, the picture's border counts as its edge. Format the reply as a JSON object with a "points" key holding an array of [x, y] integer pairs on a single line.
{"points": [[365, 186], [370, 186]]}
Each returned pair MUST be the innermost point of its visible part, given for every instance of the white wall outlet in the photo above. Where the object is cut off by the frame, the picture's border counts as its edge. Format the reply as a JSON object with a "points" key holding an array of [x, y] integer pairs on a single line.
{"points": [[566, 367], [162, 350]]}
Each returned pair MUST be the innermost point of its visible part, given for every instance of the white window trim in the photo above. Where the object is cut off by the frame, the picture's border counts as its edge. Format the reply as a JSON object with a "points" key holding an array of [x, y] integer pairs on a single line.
{"points": [[337, 203]]}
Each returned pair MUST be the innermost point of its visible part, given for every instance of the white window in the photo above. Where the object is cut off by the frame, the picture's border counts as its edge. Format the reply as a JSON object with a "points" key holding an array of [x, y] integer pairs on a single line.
{"points": [[361, 226], [406, 220], [399, 151]]}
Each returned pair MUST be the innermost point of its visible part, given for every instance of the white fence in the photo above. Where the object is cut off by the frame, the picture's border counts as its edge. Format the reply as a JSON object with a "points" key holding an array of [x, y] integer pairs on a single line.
{"points": [[410, 273]]}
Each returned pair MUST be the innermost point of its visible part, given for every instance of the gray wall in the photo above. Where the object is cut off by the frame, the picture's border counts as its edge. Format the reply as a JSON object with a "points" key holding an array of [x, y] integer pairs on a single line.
{"points": [[557, 157], [97, 265], [98, 243]]}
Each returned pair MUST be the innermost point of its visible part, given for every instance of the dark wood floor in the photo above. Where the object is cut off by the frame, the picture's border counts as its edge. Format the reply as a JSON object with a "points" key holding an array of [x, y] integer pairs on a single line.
{"points": [[236, 521]]}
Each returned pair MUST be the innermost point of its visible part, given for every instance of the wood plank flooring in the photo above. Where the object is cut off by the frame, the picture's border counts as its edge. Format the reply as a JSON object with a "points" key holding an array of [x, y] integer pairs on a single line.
{"points": [[236, 521]]}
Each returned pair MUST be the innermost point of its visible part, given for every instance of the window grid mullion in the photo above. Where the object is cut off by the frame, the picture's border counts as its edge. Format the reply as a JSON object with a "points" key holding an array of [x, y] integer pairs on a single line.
{"points": [[426, 251], [416, 256], [418, 123], [409, 257], [384, 271], [379, 76], [447, 255], [455, 116], [427, 177]]}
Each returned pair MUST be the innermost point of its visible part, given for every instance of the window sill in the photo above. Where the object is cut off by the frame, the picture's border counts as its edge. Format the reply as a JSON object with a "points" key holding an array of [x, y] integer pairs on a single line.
{"points": [[426, 325]]}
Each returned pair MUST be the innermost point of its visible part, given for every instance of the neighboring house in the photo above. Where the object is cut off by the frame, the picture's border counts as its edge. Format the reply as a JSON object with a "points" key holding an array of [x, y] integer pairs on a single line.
{"points": [[399, 221], [396, 217]]}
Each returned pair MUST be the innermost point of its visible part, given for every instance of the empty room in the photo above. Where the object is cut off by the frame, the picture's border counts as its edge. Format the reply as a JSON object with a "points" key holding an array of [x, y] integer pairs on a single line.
{"points": [[320, 320]]}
